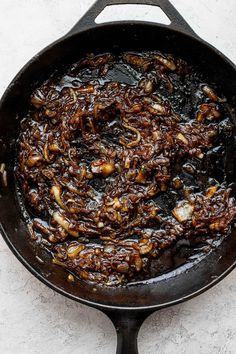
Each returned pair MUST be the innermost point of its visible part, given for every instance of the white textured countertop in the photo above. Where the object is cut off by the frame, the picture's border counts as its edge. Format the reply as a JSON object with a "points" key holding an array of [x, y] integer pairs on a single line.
{"points": [[35, 319]]}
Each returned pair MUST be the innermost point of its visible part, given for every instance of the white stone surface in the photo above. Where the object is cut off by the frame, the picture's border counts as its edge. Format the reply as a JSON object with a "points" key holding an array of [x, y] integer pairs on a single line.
{"points": [[33, 318]]}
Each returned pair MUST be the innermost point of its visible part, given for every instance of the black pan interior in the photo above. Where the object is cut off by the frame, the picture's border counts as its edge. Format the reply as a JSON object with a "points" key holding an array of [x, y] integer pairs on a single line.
{"points": [[166, 289]]}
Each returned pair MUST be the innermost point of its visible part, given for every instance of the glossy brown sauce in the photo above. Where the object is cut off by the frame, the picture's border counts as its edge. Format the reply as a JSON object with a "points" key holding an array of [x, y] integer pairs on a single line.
{"points": [[122, 164]]}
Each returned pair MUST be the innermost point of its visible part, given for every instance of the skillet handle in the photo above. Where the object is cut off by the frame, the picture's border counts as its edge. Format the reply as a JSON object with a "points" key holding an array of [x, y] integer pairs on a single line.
{"points": [[127, 325], [88, 20]]}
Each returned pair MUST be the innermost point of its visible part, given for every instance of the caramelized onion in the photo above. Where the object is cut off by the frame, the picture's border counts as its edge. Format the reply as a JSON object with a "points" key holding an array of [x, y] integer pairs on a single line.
{"points": [[129, 168], [61, 220]]}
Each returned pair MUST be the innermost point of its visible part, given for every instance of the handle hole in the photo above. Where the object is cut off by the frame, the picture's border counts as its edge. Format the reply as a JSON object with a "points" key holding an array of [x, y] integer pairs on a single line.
{"points": [[130, 12]]}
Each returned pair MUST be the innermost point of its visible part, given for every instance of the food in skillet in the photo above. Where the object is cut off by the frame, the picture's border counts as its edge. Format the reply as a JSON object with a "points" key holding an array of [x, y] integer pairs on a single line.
{"points": [[122, 175]]}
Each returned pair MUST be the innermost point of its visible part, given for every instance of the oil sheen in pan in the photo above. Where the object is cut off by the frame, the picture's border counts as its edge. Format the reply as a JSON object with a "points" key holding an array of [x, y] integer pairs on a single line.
{"points": [[185, 255]]}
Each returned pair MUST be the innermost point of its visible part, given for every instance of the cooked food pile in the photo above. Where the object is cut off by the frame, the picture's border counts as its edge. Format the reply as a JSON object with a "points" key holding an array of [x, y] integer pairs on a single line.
{"points": [[115, 172]]}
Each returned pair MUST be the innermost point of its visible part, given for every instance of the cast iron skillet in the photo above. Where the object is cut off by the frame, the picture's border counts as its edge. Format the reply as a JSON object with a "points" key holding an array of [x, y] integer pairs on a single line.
{"points": [[127, 307]]}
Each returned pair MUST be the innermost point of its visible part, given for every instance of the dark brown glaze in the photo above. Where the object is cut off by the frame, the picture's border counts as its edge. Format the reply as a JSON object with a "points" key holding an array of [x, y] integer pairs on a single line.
{"points": [[116, 173]]}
